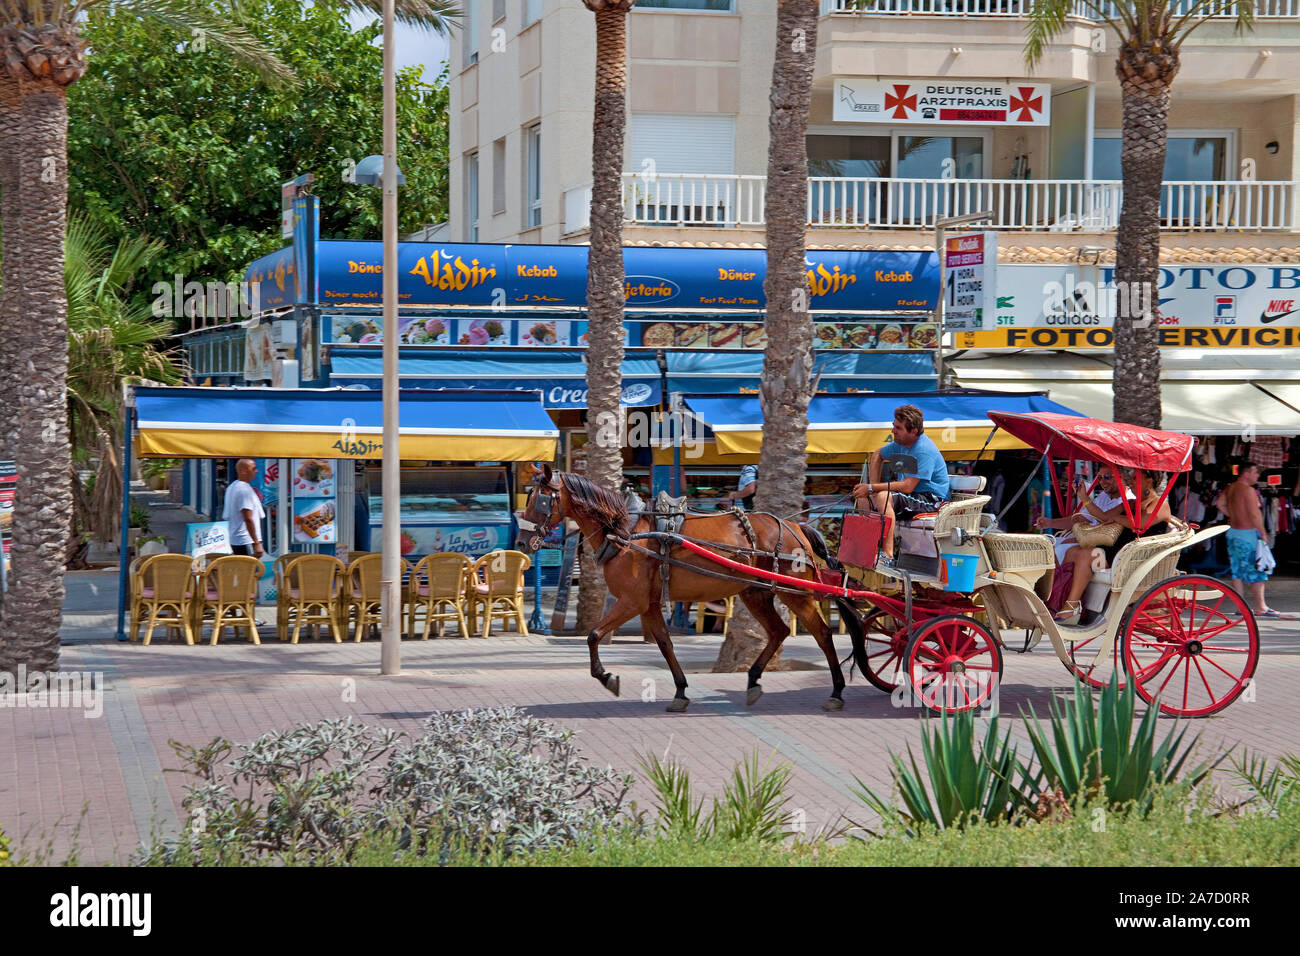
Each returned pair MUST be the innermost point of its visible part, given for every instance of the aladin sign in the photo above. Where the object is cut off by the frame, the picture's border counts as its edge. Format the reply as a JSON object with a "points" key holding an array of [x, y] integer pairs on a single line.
{"points": [[939, 102]]}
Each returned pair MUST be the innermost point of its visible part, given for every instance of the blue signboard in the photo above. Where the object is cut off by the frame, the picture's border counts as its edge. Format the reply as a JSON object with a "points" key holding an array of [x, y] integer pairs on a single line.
{"points": [[461, 274]]}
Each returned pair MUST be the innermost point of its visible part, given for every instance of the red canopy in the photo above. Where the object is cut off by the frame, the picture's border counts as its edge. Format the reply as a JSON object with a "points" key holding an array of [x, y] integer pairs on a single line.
{"points": [[1090, 439]]}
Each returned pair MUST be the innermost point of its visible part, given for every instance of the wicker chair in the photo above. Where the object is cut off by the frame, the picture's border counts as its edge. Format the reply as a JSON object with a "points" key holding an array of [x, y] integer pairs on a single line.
{"points": [[313, 583], [438, 581], [361, 593], [499, 588], [229, 591], [163, 582], [279, 569], [729, 608], [1135, 553]]}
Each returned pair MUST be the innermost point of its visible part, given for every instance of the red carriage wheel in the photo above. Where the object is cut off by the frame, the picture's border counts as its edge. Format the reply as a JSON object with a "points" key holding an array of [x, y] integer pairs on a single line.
{"points": [[1192, 642], [1081, 655], [953, 663], [881, 656]]}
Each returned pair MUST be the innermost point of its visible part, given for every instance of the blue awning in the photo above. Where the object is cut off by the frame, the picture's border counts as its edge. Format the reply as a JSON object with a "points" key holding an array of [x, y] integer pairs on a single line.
{"points": [[858, 424], [339, 423], [559, 374], [733, 371]]}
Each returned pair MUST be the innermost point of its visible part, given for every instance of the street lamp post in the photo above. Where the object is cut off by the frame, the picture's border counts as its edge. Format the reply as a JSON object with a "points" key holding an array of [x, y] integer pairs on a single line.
{"points": [[939, 226], [390, 572]]}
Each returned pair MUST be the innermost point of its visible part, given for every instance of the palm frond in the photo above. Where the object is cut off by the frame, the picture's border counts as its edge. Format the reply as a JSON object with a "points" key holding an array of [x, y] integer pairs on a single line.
{"points": [[197, 19], [437, 16], [1204, 10], [1047, 20]]}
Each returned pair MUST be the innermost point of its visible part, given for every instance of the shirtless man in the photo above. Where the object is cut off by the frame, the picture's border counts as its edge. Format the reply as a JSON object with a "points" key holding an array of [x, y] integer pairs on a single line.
{"points": [[1247, 529]]}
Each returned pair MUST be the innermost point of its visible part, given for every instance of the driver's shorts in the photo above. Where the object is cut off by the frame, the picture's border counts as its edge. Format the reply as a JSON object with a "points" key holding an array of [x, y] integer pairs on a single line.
{"points": [[909, 506]]}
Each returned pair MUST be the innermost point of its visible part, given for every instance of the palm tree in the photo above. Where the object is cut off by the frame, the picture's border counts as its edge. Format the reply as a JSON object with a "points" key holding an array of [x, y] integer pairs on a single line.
{"points": [[111, 339], [605, 290], [1151, 35], [785, 388], [43, 55]]}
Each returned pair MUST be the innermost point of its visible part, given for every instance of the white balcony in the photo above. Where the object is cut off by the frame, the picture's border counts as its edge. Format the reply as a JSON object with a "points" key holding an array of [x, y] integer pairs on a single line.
{"points": [[1264, 9], [1018, 205]]}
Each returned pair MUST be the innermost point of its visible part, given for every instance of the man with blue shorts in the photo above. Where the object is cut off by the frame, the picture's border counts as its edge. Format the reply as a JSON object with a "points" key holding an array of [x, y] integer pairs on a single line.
{"points": [[1246, 532], [917, 492]]}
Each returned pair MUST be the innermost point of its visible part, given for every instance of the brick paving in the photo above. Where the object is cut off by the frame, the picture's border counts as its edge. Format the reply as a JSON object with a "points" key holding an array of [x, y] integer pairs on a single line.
{"points": [[100, 782]]}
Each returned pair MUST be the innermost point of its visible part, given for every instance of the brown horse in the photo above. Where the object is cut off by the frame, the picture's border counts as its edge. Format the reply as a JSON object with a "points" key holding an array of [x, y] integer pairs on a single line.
{"points": [[634, 577]]}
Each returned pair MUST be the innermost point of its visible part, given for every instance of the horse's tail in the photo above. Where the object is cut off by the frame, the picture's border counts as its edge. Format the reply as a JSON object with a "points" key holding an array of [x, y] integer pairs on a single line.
{"points": [[820, 549]]}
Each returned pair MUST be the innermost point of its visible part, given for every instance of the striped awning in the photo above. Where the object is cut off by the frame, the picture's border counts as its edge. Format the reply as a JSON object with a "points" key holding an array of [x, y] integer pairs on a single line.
{"points": [[859, 424], [341, 423]]}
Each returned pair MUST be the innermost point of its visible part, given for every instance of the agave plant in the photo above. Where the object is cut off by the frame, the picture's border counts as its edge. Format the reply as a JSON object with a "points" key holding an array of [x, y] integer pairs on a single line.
{"points": [[989, 785], [1093, 750], [752, 806]]}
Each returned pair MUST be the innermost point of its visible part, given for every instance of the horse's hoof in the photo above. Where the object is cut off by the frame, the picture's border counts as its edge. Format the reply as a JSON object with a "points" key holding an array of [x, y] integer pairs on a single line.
{"points": [[752, 695], [833, 704], [677, 705], [611, 683]]}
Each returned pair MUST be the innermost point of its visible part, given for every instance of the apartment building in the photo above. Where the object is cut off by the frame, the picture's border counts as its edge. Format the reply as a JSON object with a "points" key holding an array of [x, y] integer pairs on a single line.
{"points": [[920, 109]]}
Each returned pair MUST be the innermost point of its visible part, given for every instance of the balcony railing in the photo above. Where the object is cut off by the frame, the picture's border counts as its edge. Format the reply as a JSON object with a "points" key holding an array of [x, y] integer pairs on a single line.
{"points": [[1018, 205], [1264, 9]]}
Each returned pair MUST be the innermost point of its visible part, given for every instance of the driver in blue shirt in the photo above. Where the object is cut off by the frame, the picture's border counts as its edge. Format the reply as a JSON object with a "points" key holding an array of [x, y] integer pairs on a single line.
{"points": [[915, 493]]}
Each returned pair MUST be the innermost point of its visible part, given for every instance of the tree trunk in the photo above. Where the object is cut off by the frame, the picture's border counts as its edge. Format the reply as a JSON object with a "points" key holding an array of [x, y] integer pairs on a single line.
{"points": [[787, 361], [33, 609], [1145, 79], [605, 289], [10, 277]]}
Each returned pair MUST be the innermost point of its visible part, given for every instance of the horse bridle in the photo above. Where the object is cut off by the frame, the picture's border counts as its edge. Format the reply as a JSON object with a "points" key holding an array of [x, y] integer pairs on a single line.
{"points": [[544, 504]]}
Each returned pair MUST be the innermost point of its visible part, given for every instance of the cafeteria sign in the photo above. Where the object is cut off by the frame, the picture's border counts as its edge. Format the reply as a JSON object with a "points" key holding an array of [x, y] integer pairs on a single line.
{"points": [[939, 102], [970, 262]]}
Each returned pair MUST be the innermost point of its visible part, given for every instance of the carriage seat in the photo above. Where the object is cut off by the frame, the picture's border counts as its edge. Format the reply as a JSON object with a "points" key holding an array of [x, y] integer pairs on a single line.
{"points": [[1127, 560]]}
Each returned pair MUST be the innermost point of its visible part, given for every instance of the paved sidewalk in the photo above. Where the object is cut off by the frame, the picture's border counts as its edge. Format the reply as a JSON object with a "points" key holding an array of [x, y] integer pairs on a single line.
{"points": [[59, 769]]}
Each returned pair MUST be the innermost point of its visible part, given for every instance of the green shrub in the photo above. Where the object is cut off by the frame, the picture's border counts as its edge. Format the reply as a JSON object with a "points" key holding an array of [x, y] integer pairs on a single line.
{"points": [[488, 782], [4, 849], [752, 807], [139, 518], [1272, 786], [1094, 750], [965, 784], [157, 467]]}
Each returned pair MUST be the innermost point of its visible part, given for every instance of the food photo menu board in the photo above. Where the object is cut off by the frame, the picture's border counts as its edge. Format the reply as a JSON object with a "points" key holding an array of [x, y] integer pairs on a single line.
{"points": [[313, 484], [8, 484]]}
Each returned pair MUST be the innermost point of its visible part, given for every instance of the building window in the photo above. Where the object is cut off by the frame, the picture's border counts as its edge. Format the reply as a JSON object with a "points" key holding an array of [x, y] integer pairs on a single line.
{"points": [[1187, 158], [722, 6], [498, 10], [533, 141], [471, 196], [499, 176], [532, 11], [469, 34]]}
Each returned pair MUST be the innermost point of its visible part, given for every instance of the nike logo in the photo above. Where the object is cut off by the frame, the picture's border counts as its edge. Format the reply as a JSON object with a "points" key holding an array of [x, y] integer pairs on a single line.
{"points": [[1274, 316]]}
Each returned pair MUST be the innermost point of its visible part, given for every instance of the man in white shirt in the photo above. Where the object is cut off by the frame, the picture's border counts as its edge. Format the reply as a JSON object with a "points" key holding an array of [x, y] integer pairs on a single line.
{"points": [[243, 511], [746, 487]]}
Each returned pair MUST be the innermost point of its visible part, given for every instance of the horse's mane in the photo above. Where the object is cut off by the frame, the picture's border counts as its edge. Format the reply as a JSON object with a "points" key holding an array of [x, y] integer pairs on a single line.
{"points": [[604, 507]]}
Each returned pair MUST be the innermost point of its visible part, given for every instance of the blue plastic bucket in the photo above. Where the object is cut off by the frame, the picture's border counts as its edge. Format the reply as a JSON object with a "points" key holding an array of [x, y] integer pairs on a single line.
{"points": [[961, 572]]}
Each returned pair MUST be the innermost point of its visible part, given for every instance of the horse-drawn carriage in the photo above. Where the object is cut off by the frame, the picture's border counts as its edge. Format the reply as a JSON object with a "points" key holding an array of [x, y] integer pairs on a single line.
{"points": [[961, 587], [1188, 640]]}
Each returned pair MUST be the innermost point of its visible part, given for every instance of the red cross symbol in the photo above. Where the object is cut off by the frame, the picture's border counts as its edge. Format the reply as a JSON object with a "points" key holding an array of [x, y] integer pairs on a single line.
{"points": [[899, 101], [1027, 106]]}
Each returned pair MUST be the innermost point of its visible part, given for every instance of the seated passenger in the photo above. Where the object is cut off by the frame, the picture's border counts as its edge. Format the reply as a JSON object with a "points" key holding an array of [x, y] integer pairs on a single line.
{"points": [[1105, 500], [1082, 559], [923, 490]]}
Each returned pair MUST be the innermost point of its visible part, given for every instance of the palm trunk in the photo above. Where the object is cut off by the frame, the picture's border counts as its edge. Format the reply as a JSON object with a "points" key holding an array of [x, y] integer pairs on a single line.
{"points": [[787, 361], [605, 290], [34, 605], [1145, 79], [10, 276]]}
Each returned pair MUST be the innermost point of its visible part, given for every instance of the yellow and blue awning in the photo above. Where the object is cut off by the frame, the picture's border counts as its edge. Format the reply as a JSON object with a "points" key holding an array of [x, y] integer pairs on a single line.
{"points": [[858, 424], [341, 423]]}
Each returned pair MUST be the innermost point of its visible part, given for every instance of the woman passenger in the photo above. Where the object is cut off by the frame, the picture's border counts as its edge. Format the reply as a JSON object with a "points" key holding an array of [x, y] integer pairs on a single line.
{"points": [[1155, 519]]}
